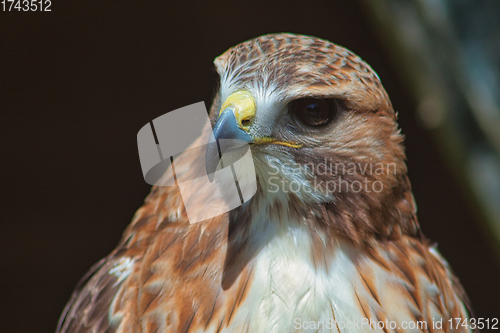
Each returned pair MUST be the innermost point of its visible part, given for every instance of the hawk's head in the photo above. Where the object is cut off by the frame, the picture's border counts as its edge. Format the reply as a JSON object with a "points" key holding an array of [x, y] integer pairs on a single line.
{"points": [[323, 134]]}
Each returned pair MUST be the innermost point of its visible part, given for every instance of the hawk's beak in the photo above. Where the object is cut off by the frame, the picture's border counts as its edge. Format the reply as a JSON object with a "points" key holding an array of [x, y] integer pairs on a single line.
{"points": [[231, 128]]}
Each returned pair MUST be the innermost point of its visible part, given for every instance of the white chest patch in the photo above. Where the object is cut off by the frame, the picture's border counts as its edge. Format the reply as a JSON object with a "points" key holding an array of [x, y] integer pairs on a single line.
{"points": [[289, 295]]}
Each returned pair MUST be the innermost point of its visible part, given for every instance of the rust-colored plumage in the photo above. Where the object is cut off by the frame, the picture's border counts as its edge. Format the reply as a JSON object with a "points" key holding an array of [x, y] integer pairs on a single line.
{"points": [[289, 259]]}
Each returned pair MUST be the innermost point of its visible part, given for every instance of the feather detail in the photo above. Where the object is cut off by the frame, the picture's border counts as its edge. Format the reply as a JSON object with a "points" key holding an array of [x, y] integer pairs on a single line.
{"points": [[287, 260]]}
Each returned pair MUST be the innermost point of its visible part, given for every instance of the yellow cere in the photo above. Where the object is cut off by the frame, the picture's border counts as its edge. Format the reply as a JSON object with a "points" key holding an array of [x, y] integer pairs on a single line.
{"points": [[242, 104]]}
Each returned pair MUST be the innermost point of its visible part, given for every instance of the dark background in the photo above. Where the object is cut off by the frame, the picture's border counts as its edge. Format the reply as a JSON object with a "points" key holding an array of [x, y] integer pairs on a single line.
{"points": [[76, 85]]}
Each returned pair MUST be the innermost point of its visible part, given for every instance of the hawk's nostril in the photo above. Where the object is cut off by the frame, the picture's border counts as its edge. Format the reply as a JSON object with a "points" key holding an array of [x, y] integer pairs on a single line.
{"points": [[246, 122]]}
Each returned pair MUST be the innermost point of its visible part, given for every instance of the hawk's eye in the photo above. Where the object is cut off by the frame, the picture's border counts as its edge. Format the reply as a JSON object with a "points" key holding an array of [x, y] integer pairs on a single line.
{"points": [[313, 111]]}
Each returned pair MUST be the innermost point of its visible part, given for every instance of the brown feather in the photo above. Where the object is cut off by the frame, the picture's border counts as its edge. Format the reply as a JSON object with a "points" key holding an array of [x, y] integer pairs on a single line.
{"points": [[182, 277]]}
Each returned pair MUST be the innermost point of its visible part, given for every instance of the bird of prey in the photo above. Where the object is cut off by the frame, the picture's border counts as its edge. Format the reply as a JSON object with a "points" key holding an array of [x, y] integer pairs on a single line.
{"points": [[330, 241]]}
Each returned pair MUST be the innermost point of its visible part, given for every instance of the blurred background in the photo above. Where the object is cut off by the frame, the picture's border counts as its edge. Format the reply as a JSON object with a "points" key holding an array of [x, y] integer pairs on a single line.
{"points": [[78, 82]]}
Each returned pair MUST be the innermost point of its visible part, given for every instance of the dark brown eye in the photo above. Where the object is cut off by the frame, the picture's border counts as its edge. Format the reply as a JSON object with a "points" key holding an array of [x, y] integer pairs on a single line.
{"points": [[313, 111]]}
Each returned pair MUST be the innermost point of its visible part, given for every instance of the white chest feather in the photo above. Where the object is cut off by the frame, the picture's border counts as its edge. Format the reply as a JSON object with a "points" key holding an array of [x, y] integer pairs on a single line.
{"points": [[288, 294], [293, 292]]}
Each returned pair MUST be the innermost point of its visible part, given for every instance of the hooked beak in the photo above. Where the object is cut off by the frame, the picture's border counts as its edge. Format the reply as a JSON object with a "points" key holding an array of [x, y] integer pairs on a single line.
{"points": [[231, 129]]}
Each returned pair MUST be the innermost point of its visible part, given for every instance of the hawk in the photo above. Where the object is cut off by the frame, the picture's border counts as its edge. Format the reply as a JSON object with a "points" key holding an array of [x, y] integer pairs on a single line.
{"points": [[330, 241]]}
